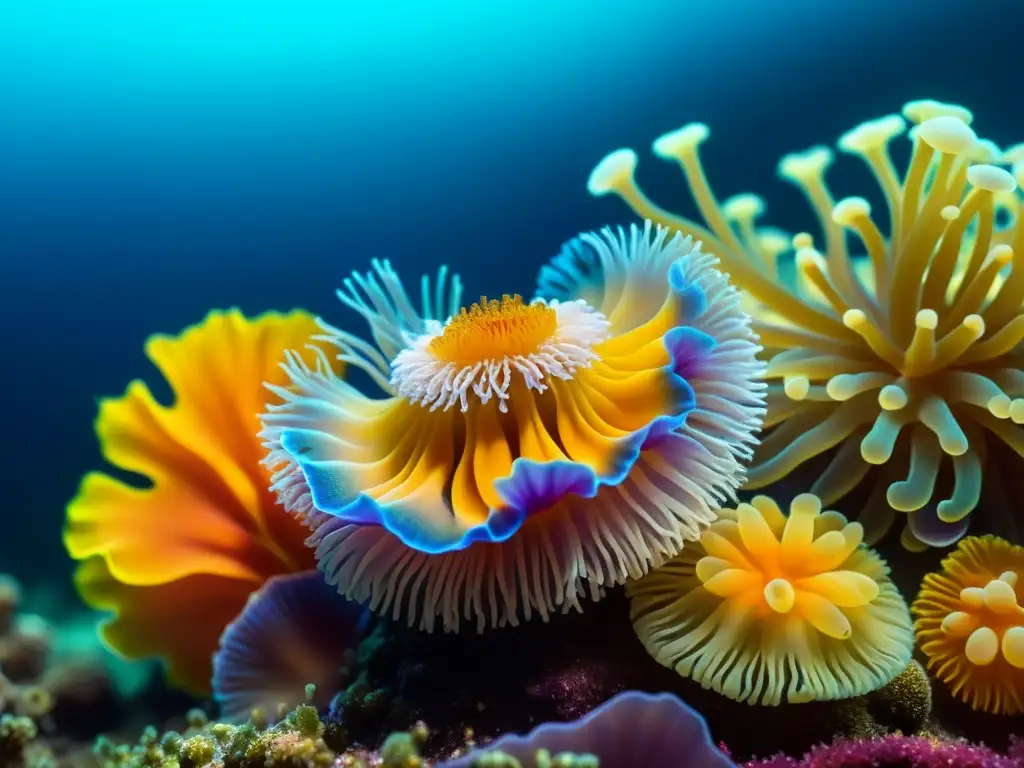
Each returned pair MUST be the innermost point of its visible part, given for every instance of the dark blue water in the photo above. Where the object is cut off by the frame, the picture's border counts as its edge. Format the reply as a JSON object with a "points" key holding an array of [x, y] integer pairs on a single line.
{"points": [[158, 159]]}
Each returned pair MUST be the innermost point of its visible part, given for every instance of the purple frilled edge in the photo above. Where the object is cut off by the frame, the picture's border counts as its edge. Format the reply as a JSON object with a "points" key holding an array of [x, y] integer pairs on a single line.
{"points": [[629, 730]]}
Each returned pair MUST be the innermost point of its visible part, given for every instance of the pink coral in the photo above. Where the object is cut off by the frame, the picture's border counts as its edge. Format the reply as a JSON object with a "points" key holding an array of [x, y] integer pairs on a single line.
{"points": [[903, 751]]}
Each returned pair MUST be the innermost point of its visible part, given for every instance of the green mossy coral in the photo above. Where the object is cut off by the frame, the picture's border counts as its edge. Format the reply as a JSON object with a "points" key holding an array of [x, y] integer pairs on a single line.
{"points": [[221, 745], [199, 750], [905, 704], [18, 745], [298, 740], [401, 750], [16, 733], [541, 759], [306, 720]]}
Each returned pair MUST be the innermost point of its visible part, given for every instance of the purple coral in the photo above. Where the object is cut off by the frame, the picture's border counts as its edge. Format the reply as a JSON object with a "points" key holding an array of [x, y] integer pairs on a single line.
{"points": [[296, 630], [902, 751], [630, 729]]}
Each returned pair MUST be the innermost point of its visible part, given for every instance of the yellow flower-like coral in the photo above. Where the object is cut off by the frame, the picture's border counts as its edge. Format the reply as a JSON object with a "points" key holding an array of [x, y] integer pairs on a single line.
{"points": [[770, 609], [903, 358], [175, 562], [970, 624], [523, 454]]}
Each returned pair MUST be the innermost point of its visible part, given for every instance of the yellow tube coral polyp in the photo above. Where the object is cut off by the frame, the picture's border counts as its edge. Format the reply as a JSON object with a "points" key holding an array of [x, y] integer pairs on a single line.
{"points": [[904, 358], [769, 608], [970, 624], [523, 454]]}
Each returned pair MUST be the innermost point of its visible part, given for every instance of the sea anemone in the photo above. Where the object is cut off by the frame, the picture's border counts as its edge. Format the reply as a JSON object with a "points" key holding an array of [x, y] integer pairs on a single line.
{"points": [[626, 285], [906, 357], [291, 644], [970, 624], [632, 729], [176, 561], [769, 608], [524, 454]]}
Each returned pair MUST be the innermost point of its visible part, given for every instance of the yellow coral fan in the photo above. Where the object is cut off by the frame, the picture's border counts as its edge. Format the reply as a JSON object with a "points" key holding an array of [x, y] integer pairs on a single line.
{"points": [[970, 623], [523, 454], [175, 562], [770, 608], [905, 357]]}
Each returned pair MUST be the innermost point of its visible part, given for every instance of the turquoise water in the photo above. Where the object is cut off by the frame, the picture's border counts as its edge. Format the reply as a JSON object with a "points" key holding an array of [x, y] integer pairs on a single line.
{"points": [[158, 159]]}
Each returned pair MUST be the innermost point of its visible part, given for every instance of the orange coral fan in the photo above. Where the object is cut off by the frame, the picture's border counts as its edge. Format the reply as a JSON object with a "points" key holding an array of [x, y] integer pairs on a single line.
{"points": [[176, 562], [905, 356], [769, 608], [970, 624]]}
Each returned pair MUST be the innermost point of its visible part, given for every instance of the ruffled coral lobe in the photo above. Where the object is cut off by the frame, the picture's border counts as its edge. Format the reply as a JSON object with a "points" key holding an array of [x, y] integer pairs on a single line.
{"points": [[207, 532]]}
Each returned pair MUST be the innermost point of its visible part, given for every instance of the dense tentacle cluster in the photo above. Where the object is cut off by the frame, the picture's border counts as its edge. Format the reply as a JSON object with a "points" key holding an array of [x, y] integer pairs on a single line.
{"points": [[769, 608], [525, 454], [903, 356], [624, 282]]}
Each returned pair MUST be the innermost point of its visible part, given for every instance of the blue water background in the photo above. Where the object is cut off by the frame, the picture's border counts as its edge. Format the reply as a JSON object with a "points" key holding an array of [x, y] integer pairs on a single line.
{"points": [[161, 158]]}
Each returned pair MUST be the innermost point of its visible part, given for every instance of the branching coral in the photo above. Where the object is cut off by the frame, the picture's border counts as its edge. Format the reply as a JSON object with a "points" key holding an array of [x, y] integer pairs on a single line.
{"points": [[176, 561], [970, 624], [903, 359], [769, 608], [524, 454]]}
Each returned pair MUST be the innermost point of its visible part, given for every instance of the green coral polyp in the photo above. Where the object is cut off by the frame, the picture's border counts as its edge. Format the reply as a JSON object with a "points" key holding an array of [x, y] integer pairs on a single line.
{"points": [[199, 750]]}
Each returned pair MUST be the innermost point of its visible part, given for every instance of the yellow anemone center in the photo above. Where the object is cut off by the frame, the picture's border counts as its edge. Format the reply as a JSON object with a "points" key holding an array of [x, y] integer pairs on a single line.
{"points": [[785, 566], [493, 329], [992, 621]]}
